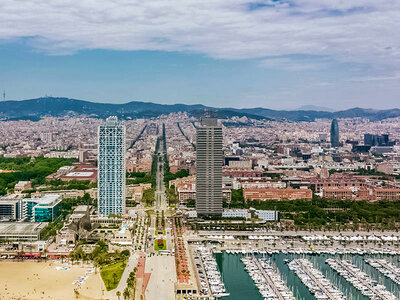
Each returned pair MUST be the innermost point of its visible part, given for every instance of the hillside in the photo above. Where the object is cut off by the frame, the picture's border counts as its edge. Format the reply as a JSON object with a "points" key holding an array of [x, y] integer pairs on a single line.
{"points": [[34, 109]]}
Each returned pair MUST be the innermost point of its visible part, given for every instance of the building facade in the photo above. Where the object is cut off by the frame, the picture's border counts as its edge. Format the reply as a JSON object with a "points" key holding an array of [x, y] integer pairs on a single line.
{"points": [[277, 194], [111, 167], [209, 167], [44, 209], [10, 209]]}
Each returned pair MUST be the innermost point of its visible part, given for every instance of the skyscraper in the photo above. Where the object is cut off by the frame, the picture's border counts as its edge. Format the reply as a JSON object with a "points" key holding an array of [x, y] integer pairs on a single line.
{"points": [[335, 133], [111, 167], [209, 167]]}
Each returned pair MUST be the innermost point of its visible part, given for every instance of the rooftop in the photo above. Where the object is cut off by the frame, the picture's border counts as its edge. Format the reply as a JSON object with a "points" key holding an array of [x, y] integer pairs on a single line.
{"points": [[8, 228], [79, 174]]}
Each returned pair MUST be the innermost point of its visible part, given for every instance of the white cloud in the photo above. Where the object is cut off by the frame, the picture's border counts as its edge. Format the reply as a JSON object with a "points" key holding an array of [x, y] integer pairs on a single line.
{"points": [[361, 31], [395, 76]]}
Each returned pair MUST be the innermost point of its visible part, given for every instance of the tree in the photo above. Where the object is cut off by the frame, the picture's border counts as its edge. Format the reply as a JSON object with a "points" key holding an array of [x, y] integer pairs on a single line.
{"points": [[126, 294], [118, 294], [115, 277]]}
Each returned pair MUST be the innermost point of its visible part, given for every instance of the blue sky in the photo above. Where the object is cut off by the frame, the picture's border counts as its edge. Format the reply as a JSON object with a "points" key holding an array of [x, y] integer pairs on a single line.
{"points": [[275, 54]]}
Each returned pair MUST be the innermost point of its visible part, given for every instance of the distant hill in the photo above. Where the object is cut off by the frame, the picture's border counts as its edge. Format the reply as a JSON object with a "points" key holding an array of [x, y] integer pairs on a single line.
{"points": [[34, 109]]}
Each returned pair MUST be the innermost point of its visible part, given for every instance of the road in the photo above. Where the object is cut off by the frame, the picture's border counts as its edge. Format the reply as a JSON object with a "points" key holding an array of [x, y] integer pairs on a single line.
{"points": [[130, 265], [161, 202]]}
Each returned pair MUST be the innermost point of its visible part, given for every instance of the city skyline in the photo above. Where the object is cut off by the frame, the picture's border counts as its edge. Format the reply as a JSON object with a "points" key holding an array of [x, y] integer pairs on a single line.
{"points": [[168, 150]]}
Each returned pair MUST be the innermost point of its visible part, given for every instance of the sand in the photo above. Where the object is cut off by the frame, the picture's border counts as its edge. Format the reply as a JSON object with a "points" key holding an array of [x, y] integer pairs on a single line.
{"points": [[41, 280]]}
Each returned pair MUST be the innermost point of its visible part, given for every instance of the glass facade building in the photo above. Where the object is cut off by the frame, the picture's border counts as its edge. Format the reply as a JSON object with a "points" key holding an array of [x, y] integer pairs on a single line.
{"points": [[111, 167], [47, 213], [45, 209], [335, 133]]}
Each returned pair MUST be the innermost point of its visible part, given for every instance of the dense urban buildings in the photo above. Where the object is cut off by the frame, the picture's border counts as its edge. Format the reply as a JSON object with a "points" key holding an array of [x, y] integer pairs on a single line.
{"points": [[111, 168], [209, 167], [282, 187]]}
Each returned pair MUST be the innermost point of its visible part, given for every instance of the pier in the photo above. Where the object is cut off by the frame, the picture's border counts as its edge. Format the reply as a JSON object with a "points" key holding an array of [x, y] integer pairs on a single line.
{"points": [[268, 282], [360, 280], [315, 281], [214, 280], [385, 268]]}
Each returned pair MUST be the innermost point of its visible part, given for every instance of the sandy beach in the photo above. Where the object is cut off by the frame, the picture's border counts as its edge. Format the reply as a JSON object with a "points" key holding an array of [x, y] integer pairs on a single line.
{"points": [[41, 280]]}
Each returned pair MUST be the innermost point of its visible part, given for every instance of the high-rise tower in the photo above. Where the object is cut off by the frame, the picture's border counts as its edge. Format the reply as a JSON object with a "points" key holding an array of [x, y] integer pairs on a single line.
{"points": [[209, 167], [111, 167], [335, 133]]}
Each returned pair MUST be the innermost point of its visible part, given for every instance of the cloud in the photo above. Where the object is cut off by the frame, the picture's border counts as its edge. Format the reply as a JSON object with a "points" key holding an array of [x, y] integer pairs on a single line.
{"points": [[395, 76], [361, 31], [297, 63]]}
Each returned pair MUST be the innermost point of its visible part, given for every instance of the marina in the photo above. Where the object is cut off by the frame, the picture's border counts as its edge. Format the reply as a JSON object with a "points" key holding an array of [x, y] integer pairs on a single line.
{"points": [[268, 281], [360, 280], [239, 282], [386, 268], [212, 279], [319, 286]]}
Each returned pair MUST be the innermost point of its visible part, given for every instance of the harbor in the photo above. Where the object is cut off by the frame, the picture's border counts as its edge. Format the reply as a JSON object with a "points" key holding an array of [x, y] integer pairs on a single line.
{"points": [[360, 280], [386, 268], [318, 285], [212, 281], [268, 281], [242, 284]]}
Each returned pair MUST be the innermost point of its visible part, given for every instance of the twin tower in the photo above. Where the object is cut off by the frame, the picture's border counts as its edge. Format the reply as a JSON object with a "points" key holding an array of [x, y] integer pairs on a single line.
{"points": [[111, 167]]}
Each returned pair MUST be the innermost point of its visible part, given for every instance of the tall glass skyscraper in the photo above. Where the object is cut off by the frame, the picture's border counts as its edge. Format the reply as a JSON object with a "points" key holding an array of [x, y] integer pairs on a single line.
{"points": [[111, 167], [335, 133], [209, 167]]}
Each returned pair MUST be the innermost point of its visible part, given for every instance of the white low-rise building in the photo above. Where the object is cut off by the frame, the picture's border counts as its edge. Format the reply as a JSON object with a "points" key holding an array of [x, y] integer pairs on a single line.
{"points": [[268, 215]]}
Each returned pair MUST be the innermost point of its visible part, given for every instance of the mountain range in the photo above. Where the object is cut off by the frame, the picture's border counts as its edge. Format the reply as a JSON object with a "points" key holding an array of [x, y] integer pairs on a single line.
{"points": [[34, 109]]}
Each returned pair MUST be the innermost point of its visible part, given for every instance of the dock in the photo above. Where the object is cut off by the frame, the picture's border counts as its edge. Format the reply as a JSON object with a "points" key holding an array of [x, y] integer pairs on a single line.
{"points": [[318, 285], [360, 280], [385, 268], [269, 281]]}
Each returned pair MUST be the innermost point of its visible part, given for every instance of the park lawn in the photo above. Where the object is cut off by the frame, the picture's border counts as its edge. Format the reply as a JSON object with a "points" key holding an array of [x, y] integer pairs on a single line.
{"points": [[107, 274], [157, 247]]}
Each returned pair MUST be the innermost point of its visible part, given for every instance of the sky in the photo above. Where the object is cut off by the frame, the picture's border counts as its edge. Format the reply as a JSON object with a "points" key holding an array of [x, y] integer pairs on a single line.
{"points": [[280, 54]]}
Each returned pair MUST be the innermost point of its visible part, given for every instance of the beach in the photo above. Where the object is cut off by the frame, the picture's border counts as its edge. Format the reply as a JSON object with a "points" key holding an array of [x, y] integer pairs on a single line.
{"points": [[48, 280]]}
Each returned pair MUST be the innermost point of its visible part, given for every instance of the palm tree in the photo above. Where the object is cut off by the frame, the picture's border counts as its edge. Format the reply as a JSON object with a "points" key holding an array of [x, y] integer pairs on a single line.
{"points": [[118, 294], [126, 294]]}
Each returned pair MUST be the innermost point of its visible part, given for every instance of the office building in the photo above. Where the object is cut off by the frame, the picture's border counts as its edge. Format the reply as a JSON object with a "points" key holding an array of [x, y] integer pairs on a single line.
{"points": [[10, 209], [20, 231], [268, 215], [377, 140], [209, 167], [335, 133], [111, 167], [45, 209]]}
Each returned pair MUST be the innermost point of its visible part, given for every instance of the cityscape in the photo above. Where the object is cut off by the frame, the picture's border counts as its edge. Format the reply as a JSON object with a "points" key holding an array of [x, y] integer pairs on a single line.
{"points": [[163, 207], [199, 150]]}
